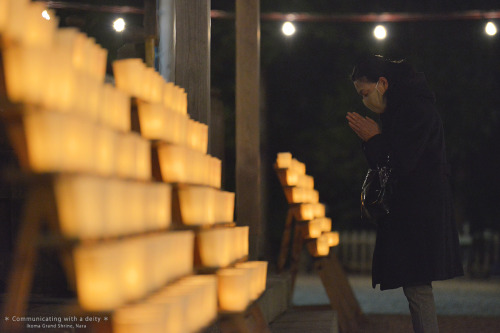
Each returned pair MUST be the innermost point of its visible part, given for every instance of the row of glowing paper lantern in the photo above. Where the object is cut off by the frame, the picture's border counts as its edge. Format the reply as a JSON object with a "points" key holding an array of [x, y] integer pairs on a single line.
{"points": [[91, 207], [202, 205], [60, 69], [241, 285], [67, 142], [286, 161], [46, 77], [320, 237], [159, 123], [289, 177], [110, 274], [187, 306], [301, 195], [320, 247], [309, 211], [180, 164], [190, 304], [220, 247], [22, 23], [138, 80]]}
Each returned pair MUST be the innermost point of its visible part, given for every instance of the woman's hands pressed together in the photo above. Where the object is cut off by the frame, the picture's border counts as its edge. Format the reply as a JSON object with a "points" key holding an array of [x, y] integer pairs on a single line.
{"points": [[364, 127]]}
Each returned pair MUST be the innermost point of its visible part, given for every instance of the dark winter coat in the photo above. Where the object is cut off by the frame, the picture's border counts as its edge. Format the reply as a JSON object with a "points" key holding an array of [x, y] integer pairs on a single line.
{"points": [[418, 241]]}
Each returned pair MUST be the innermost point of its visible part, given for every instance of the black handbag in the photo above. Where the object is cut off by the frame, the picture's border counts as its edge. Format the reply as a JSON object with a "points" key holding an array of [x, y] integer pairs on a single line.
{"points": [[376, 193]]}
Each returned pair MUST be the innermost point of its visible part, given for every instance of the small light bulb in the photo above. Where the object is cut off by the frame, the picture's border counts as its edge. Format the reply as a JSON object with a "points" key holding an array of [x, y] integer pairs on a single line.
{"points": [[380, 32], [119, 25], [490, 29], [46, 15], [288, 28]]}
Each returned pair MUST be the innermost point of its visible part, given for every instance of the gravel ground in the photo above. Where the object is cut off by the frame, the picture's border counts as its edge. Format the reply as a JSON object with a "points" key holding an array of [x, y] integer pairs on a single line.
{"points": [[457, 297]]}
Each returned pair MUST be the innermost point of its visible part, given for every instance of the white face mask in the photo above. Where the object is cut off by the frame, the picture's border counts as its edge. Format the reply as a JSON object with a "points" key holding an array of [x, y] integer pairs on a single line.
{"points": [[375, 101]]}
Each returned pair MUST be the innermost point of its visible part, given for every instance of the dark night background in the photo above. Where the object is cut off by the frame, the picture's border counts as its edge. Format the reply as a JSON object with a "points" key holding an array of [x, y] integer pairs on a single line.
{"points": [[307, 93]]}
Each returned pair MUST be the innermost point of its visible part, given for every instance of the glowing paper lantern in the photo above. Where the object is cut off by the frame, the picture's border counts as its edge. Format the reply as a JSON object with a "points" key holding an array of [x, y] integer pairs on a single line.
{"points": [[133, 272], [314, 228], [284, 160], [129, 75], [305, 212], [98, 277], [333, 238], [80, 205], [319, 247], [215, 247], [224, 210], [233, 289], [197, 205]]}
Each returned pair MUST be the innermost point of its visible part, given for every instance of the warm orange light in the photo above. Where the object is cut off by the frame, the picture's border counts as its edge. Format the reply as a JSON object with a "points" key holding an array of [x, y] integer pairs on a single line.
{"points": [[224, 206], [314, 228], [305, 212], [197, 205], [333, 238], [173, 163], [133, 271], [38, 30], [153, 120], [241, 241], [80, 205], [105, 151], [298, 167], [129, 75], [284, 160], [258, 275], [233, 289], [319, 247], [305, 181], [158, 208], [98, 277], [215, 247], [319, 210]]}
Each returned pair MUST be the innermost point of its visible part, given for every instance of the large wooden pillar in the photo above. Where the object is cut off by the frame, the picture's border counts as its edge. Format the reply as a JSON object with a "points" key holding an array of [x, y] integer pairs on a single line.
{"points": [[166, 45], [192, 55], [248, 177]]}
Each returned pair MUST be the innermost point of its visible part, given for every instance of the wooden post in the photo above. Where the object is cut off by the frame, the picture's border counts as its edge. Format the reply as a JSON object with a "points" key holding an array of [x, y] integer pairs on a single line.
{"points": [[166, 47], [248, 161], [40, 208], [150, 31], [285, 241], [192, 58]]}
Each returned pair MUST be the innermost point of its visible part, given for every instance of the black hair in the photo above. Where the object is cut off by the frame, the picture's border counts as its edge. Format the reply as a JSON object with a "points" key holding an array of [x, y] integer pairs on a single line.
{"points": [[399, 73], [373, 67]]}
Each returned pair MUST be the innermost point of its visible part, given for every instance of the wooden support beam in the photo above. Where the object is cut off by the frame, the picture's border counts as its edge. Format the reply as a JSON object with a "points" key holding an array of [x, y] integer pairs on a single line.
{"points": [[248, 177], [192, 58]]}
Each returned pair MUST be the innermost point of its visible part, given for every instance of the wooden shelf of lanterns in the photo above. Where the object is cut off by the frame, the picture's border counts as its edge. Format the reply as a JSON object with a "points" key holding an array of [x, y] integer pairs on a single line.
{"points": [[120, 177], [307, 225]]}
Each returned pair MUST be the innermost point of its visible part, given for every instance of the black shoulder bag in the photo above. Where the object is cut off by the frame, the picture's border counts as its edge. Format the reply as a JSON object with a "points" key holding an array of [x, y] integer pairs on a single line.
{"points": [[376, 192]]}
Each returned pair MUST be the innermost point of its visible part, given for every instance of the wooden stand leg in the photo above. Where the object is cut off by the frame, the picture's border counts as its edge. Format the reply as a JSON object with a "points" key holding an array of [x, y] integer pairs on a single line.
{"points": [[256, 322], [342, 298], [298, 244], [285, 241], [24, 259]]}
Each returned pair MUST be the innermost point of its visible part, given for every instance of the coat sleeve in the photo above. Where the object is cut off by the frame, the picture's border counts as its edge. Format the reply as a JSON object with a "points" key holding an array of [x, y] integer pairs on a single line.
{"points": [[410, 133]]}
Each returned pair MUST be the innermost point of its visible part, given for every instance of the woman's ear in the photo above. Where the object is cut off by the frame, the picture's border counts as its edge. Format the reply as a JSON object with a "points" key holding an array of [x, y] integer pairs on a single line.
{"points": [[384, 84]]}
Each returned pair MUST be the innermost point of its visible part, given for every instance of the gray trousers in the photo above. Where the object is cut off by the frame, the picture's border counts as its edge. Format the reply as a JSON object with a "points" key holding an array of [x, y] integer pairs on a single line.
{"points": [[422, 308]]}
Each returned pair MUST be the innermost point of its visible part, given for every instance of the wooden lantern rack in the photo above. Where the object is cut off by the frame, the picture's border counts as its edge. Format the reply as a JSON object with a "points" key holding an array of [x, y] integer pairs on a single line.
{"points": [[329, 269], [40, 214]]}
